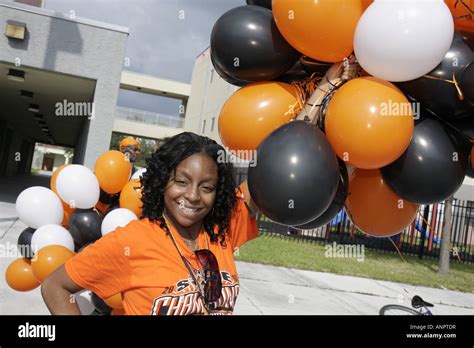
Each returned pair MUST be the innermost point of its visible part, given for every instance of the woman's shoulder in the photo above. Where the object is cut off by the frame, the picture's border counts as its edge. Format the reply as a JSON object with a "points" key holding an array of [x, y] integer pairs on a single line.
{"points": [[138, 231]]}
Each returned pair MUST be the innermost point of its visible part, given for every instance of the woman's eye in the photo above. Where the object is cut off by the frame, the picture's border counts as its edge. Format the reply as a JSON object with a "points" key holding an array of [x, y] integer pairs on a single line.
{"points": [[180, 182], [208, 189]]}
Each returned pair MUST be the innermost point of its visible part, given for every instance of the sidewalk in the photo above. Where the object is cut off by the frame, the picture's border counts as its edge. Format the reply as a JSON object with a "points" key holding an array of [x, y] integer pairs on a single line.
{"points": [[277, 290], [271, 290]]}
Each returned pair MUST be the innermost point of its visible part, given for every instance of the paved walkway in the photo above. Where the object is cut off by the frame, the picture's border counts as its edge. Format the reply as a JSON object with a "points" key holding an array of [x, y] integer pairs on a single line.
{"points": [[279, 290], [272, 290]]}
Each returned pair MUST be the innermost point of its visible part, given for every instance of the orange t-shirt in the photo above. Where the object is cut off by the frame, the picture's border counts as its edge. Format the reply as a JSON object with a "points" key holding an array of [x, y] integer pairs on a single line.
{"points": [[141, 262]]}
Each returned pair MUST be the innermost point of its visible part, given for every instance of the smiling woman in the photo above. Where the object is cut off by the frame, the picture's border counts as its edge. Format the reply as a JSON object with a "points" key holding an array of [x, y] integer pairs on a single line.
{"points": [[178, 259]]}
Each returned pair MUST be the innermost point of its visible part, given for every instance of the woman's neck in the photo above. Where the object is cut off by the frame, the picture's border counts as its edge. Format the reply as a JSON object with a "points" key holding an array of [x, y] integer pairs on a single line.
{"points": [[190, 232]]}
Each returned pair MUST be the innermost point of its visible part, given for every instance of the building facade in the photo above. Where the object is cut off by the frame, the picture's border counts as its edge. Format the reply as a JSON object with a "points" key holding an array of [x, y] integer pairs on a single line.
{"points": [[58, 60]]}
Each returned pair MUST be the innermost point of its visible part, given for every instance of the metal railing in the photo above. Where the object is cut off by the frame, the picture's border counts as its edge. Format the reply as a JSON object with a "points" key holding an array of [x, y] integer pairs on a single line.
{"points": [[422, 238], [148, 117], [411, 240]]}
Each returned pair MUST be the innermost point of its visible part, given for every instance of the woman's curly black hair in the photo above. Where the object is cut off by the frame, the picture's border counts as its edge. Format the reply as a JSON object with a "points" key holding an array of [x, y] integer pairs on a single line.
{"points": [[163, 163]]}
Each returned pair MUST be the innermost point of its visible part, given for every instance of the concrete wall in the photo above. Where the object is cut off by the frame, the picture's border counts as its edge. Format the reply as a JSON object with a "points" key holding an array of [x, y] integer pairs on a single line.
{"points": [[134, 81], [209, 92], [77, 47]]}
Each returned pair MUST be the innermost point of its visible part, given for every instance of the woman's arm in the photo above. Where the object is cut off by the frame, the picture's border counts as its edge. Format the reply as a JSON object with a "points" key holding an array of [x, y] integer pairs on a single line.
{"points": [[58, 293], [253, 210]]}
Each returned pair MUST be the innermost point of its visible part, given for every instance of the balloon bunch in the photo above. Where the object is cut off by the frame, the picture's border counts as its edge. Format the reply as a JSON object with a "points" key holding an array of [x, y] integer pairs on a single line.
{"points": [[381, 65], [81, 207]]}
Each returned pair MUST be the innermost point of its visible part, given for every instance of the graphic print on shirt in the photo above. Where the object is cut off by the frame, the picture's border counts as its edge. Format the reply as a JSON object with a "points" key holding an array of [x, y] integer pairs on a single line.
{"points": [[184, 298]]}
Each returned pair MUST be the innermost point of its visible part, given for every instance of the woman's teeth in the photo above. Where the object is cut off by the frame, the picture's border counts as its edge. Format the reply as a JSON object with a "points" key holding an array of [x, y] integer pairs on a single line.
{"points": [[187, 210]]}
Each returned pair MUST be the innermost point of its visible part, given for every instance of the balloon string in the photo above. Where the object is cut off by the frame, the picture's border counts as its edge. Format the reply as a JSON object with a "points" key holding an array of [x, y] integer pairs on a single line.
{"points": [[428, 226], [453, 81], [313, 62], [304, 90], [398, 250]]}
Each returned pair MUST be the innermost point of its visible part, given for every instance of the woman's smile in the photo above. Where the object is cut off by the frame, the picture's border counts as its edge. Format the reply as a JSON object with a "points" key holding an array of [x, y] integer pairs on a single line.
{"points": [[188, 211]]}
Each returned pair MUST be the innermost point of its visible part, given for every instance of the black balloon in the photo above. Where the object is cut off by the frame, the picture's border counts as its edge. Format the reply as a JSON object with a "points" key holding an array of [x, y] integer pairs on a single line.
{"points": [[228, 78], [442, 97], [112, 207], [470, 172], [465, 126], [78, 249], [247, 46], [85, 225], [316, 67], [296, 174], [467, 83], [100, 305], [24, 242], [263, 3], [108, 198], [295, 74], [337, 203], [433, 166]]}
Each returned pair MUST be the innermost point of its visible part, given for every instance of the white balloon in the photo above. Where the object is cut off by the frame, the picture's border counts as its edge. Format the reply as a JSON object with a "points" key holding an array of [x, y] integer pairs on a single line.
{"points": [[119, 217], [401, 40], [78, 186], [37, 206], [83, 300], [138, 174], [51, 235]]}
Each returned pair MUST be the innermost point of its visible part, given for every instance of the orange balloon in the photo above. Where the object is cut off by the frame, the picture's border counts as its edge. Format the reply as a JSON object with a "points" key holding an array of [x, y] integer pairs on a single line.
{"points": [[65, 219], [323, 30], [67, 213], [48, 259], [369, 123], [254, 111], [113, 170], [374, 208], [19, 276], [102, 207], [472, 156], [131, 197], [458, 9], [114, 301], [366, 4]]}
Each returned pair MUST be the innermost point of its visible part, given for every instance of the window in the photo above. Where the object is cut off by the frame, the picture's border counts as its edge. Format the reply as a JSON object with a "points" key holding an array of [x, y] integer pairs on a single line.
{"points": [[203, 126]]}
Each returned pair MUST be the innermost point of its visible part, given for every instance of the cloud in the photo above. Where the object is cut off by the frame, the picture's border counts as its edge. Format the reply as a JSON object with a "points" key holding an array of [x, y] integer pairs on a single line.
{"points": [[165, 38], [165, 35]]}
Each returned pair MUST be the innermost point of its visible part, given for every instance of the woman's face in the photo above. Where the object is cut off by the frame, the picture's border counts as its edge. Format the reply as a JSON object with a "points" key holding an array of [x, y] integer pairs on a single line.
{"points": [[190, 194]]}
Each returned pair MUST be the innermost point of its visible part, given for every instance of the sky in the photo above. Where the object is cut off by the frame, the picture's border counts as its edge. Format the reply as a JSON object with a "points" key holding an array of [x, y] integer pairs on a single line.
{"points": [[165, 38]]}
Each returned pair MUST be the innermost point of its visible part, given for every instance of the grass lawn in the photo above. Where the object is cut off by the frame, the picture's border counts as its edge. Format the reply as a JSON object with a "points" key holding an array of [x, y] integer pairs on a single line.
{"points": [[284, 251]]}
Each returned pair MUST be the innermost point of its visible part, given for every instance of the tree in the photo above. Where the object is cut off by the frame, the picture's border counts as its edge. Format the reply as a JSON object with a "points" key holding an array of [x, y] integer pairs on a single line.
{"points": [[444, 250]]}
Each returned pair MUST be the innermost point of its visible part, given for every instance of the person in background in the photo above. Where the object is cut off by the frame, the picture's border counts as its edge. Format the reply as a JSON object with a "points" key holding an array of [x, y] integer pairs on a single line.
{"points": [[131, 148]]}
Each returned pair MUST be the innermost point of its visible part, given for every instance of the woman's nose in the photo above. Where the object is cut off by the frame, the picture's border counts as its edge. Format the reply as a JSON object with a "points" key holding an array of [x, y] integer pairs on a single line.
{"points": [[192, 194]]}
